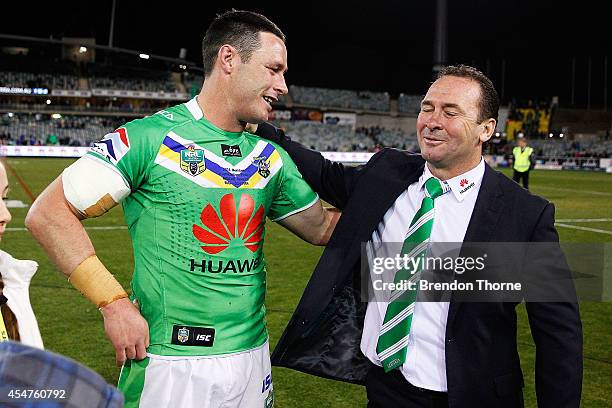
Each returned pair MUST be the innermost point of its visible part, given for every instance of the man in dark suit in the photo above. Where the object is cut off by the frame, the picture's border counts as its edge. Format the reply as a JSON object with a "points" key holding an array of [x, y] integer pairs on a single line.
{"points": [[454, 354]]}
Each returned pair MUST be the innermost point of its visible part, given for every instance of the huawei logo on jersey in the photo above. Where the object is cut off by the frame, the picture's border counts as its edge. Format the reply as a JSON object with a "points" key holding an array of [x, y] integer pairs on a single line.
{"points": [[235, 222]]}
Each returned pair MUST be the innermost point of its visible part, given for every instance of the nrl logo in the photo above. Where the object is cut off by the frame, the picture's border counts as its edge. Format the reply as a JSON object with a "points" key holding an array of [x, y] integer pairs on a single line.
{"points": [[263, 166], [192, 161], [183, 335]]}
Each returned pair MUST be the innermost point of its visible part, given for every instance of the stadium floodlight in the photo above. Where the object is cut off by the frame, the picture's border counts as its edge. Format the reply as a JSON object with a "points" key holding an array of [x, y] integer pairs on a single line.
{"points": [[56, 116], [183, 66], [497, 134], [144, 56], [48, 101], [550, 135], [560, 134], [11, 114], [82, 49]]}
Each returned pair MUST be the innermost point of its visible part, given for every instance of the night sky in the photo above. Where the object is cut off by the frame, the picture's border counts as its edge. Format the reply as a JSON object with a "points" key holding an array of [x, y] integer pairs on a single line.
{"points": [[375, 45]]}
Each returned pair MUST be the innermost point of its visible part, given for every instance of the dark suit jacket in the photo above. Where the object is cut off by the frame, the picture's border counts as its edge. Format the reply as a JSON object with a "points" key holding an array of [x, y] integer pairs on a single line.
{"points": [[482, 362]]}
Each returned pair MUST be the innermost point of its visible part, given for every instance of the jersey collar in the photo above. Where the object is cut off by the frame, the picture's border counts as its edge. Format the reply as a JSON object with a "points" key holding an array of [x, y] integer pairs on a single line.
{"points": [[194, 108]]}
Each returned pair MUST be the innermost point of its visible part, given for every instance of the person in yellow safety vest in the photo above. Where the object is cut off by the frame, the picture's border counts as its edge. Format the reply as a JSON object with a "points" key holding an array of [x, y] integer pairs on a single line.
{"points": [[522, 162]]}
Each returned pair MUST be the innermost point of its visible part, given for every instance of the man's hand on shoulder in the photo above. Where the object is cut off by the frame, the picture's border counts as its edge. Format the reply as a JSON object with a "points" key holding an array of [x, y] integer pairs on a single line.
{"points": [[127, 330], [267, 131], [251, 128]]}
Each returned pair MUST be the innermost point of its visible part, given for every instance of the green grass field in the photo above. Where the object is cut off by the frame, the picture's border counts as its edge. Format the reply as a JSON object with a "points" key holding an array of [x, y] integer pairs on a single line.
{"points": [[70, 325]]}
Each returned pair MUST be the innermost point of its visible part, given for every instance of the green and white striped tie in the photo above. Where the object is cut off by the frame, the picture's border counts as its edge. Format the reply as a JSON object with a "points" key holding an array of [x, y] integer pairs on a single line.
{"points": [[395, 331]]}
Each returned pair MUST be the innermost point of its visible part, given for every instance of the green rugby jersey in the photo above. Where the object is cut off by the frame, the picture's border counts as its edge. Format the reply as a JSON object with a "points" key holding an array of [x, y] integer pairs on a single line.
{"points": [[196, 215]]}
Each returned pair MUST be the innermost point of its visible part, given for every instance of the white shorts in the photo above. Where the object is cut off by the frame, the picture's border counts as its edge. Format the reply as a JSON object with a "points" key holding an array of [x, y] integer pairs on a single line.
{"points": [[241, 380]]}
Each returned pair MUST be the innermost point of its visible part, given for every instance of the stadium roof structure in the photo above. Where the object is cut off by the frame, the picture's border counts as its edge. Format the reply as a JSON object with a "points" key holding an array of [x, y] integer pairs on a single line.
{"points": [[19, 39]]}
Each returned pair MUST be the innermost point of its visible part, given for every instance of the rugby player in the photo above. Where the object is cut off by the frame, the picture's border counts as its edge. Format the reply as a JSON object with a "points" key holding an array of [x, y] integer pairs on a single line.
{"points": [[196, 189]]}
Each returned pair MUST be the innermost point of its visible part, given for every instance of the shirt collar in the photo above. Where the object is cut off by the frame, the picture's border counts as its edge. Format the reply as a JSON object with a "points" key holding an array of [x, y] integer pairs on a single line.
{"points": [[461, 185], [194, 108]]}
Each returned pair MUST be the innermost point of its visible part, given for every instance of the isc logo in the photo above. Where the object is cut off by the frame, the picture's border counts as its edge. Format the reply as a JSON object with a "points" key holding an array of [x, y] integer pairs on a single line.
{"points": [[193, 336], [265, 386]]}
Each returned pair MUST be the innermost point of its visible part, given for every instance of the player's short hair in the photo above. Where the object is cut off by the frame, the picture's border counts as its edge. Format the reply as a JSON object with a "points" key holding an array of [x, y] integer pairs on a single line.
{"points": [[238, 28], [488, 106]]}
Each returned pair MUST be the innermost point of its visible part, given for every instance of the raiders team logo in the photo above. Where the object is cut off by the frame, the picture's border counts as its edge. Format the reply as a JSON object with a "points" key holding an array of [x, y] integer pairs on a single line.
{"points": [[263, 166], [183, 335], [192, 161]]}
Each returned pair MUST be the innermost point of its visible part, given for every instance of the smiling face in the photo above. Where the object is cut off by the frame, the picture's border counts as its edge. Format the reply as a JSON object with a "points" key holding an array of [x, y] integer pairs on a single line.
{"points": [[257, 83], [450, 134], [5, 215]]}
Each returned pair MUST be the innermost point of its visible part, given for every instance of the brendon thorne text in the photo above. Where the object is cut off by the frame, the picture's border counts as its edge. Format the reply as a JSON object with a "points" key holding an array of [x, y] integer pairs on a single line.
{"points": [[424, 285], [467, 272]]}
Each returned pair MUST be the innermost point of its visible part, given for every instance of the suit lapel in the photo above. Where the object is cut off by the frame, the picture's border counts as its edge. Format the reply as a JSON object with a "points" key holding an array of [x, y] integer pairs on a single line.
{"points": [[482, 225], [487, 209]]}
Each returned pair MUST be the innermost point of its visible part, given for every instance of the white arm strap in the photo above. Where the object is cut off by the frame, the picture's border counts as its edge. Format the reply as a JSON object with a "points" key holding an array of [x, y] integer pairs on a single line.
{"points": [[93, 187]]}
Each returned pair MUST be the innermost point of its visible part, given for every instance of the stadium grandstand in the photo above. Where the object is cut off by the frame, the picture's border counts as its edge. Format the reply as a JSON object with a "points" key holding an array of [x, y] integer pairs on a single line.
{"points": [[63, 93]]}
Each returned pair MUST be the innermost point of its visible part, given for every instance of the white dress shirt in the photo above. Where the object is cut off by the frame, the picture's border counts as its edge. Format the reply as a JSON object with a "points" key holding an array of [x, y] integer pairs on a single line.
{"points": [[425, 364]]}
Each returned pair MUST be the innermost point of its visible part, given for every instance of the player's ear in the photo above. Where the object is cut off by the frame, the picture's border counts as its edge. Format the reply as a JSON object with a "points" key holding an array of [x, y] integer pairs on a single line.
{"points": [[227, 58]]}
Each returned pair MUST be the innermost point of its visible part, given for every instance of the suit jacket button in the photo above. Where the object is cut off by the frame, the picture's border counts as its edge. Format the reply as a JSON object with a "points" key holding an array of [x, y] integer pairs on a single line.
{"points": [[451, 340], [304, 322]]}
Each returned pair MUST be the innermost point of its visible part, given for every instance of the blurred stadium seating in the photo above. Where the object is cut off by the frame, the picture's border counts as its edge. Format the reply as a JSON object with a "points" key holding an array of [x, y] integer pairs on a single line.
{"points": [[125, 78], [323, 137], [93, 96], [391, 137], [409, 103], [43, 129], [32, 80], [338, 98]]}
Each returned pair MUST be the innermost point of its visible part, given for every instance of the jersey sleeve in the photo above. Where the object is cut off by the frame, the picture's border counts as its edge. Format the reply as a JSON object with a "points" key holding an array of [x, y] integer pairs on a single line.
{"points": [[294, 194], [129, 150]]}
